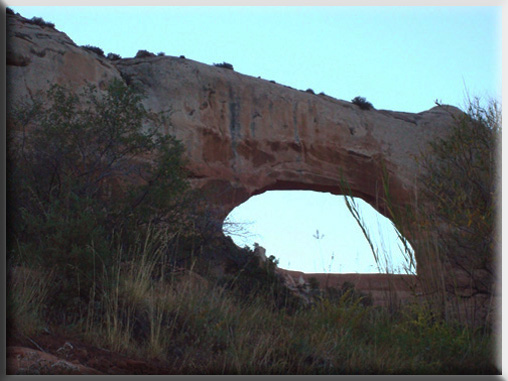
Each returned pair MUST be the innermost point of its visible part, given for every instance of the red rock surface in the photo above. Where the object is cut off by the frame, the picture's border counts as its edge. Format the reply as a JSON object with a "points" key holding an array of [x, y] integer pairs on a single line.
{"points": [[59, 353]]}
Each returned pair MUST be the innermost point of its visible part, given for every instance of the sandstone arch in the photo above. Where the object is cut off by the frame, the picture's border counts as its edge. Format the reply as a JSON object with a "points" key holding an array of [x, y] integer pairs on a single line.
{"points": [[243, 135]]}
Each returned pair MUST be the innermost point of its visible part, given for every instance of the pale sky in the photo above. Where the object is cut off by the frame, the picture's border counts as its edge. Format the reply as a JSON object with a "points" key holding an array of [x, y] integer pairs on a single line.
{"points": [[399, 58]]}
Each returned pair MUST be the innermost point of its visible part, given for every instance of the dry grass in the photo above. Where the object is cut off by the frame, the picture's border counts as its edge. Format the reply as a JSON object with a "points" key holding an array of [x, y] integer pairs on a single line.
{"points": [[26, 297], [197, 327]]}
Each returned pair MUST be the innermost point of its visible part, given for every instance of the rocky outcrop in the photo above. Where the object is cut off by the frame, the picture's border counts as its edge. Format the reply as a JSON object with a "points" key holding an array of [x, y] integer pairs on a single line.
{"points": [[40, 56]]}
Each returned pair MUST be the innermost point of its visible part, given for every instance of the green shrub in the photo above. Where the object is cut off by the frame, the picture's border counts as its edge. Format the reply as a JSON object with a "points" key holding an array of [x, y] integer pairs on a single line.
{"points": [[461, 181], [113, 57], [81, 185], [94, 49], [40, 21], [362, 103], [453, 221], [144, 54], [224, 65], [347, 295], [313, 283]]}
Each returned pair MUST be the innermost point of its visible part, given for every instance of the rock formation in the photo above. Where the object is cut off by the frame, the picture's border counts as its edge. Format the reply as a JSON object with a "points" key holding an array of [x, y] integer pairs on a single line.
{"points": [[243, 135]]}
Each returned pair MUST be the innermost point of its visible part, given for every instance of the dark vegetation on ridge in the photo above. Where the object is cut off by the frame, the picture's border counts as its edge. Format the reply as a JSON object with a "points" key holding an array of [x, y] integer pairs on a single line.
{"points": [[113, 56], [94, 49], [40, 21], [144, 54], [362, 103], [224, 65]]}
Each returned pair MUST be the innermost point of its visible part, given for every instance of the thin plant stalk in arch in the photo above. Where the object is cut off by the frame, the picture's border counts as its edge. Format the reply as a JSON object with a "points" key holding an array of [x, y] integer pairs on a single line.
{"points": [[379, 256], [318, 236]]}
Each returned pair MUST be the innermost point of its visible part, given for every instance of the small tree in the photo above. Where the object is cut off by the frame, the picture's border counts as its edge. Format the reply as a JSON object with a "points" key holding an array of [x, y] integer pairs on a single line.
{"points": [[85, 173]]}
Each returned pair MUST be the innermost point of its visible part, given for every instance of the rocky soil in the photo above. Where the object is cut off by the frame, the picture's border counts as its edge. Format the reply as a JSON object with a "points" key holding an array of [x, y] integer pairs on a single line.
{"points": [[61, 353]]}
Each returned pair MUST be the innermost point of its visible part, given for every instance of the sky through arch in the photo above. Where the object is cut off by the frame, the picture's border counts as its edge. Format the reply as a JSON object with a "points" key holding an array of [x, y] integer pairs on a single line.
{"points": [[314, 232]]}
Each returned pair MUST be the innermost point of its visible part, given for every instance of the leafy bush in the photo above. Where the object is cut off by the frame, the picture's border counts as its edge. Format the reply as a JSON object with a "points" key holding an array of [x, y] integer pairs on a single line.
{"points": [[40, 21], [9, 11], [224, 65], [81, 183], [310, 91], [362, 103], [161, 54], [94, 49], [113, 57], [144, 54], [462, 183]]}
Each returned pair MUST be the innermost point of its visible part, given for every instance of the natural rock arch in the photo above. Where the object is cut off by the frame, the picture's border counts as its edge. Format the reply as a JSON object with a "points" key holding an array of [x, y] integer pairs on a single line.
{"points": [[243, 135]]}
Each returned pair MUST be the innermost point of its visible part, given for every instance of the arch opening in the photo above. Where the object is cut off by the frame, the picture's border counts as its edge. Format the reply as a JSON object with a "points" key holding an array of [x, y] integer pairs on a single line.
{"points": [[314, 232]]}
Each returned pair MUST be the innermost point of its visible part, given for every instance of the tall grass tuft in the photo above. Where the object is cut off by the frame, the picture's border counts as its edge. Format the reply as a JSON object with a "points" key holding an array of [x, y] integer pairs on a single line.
{"points": [[26, 299]]}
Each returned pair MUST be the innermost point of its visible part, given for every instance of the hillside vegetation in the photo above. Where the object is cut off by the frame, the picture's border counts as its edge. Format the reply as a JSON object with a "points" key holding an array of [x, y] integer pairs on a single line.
{"points": [[107, 243]]}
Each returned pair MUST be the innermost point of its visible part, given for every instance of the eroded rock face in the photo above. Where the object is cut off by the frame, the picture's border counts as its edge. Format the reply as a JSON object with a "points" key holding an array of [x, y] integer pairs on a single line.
{"points": [[38, 57], [243, 135], [246, 135]]}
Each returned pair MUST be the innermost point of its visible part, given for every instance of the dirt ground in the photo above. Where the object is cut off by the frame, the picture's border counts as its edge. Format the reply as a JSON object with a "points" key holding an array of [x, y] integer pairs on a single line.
{"points": [[56, 353]]}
